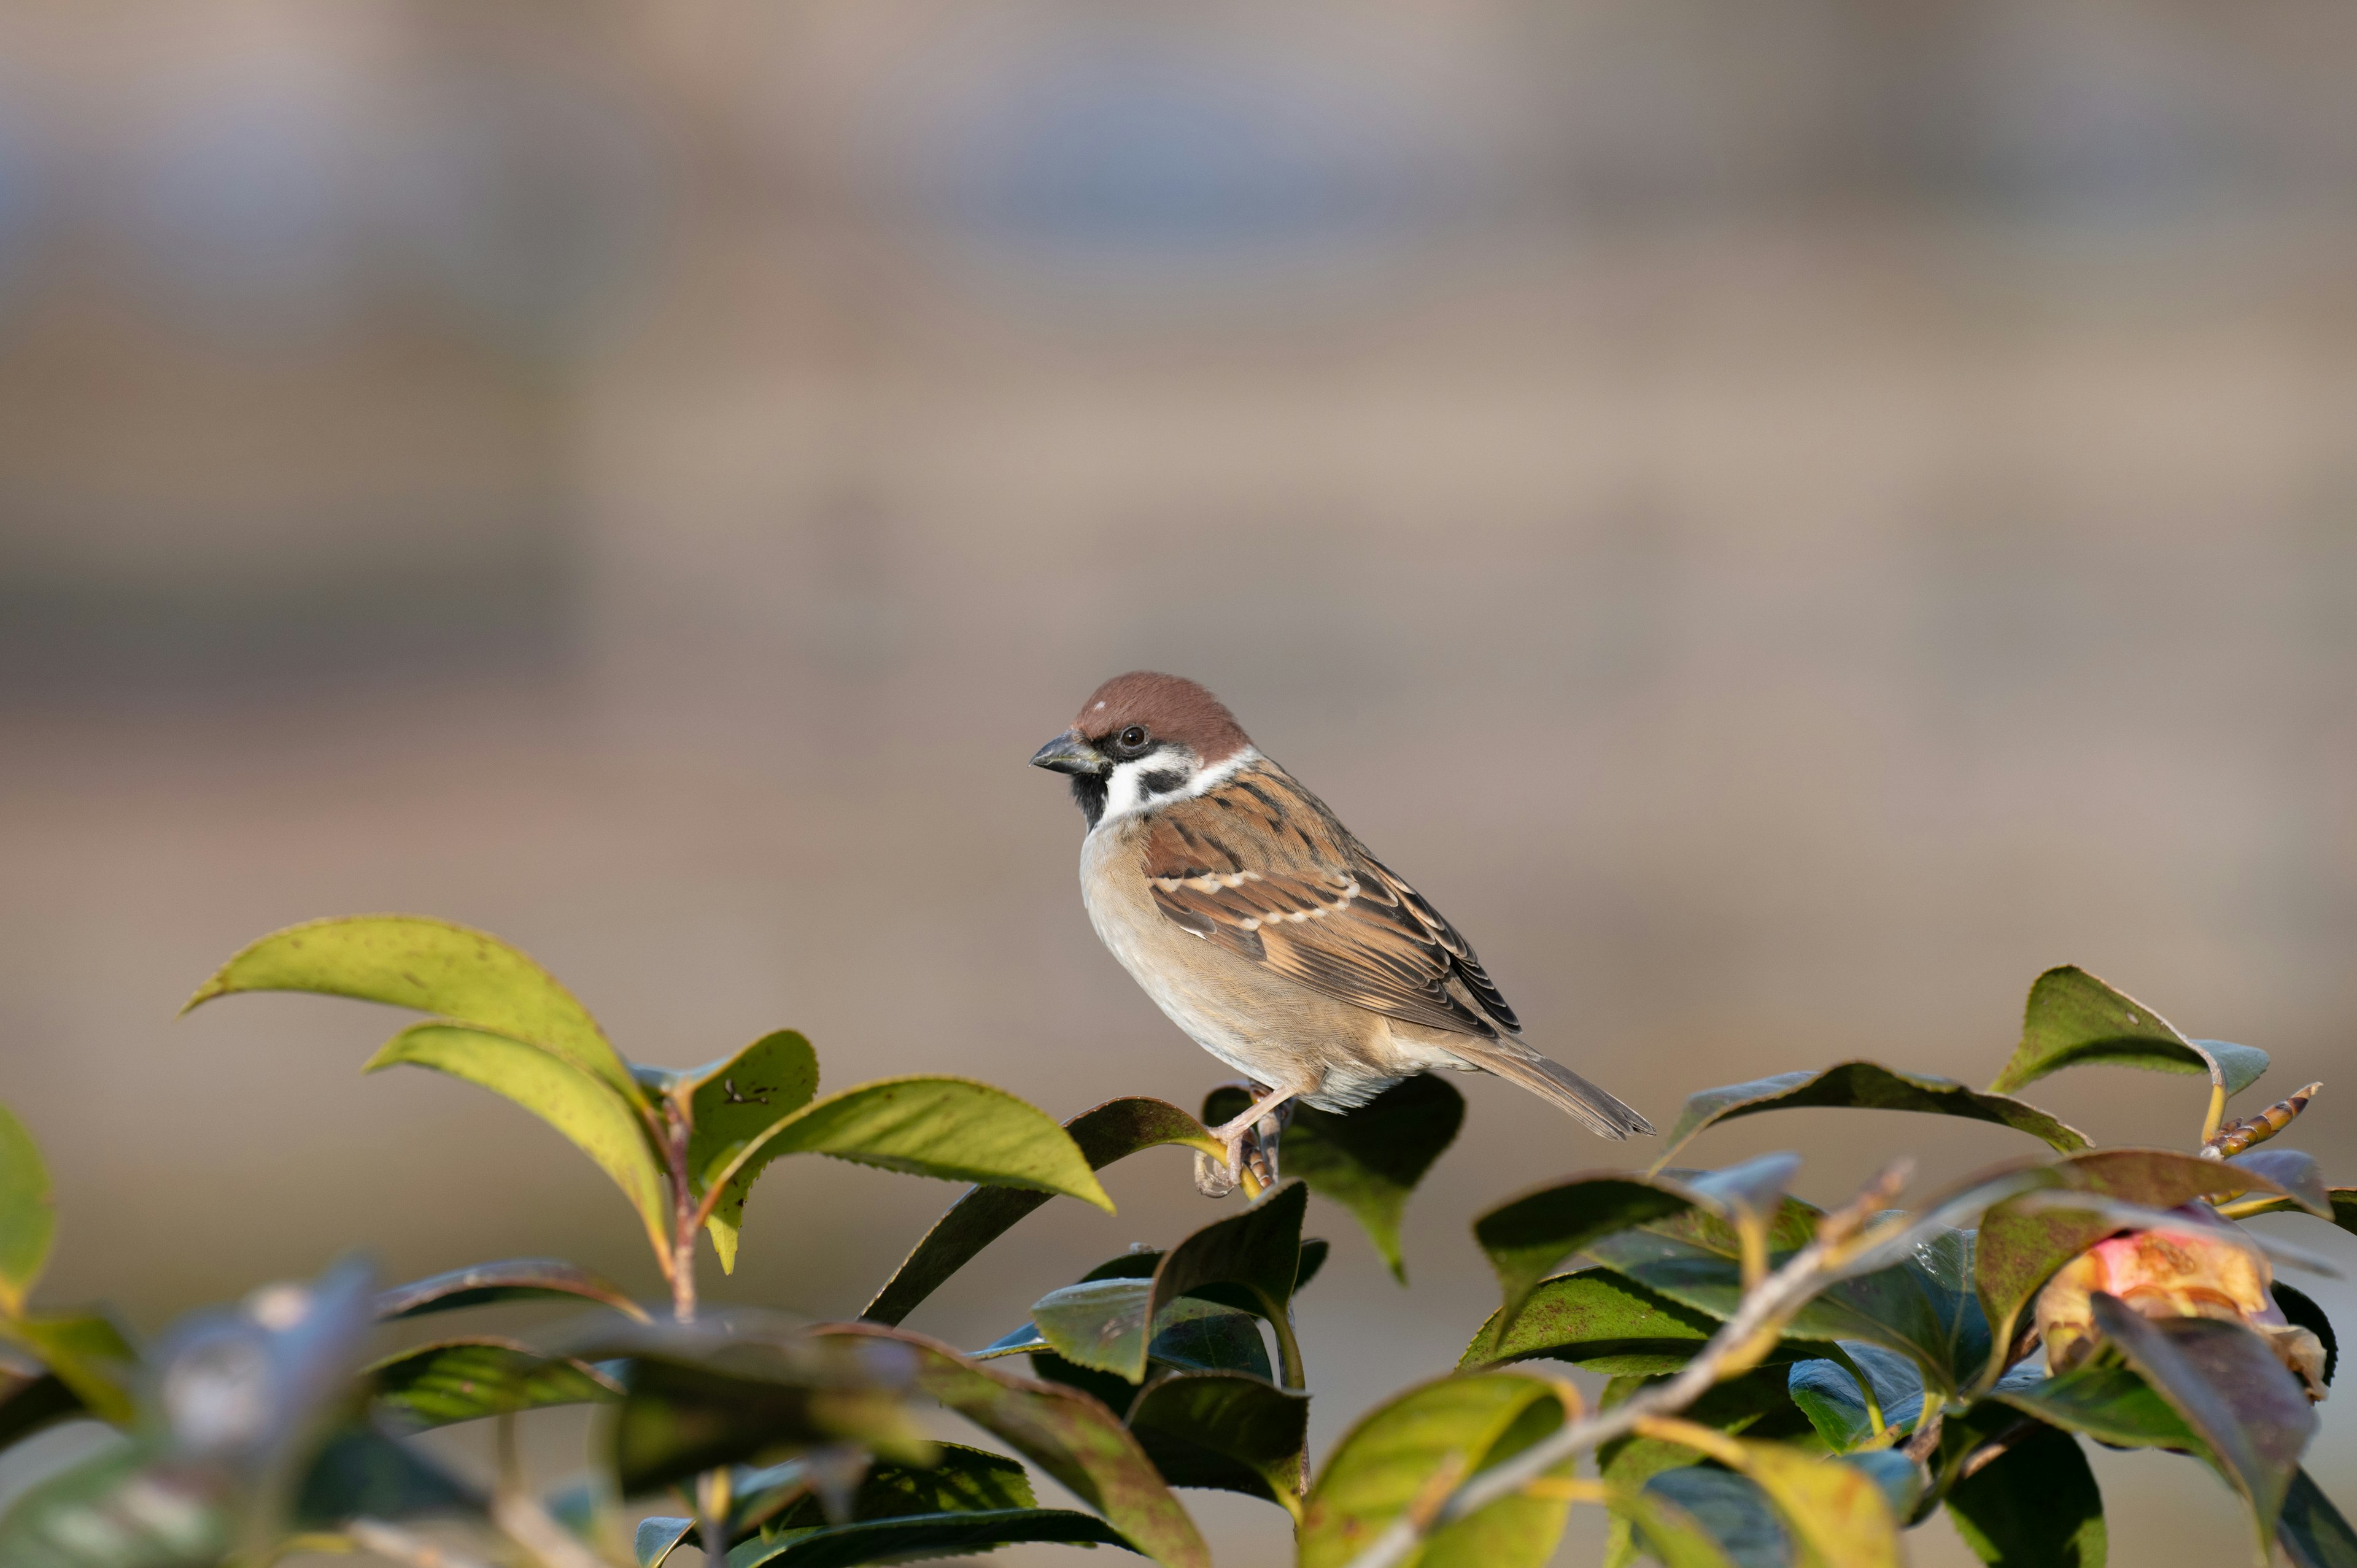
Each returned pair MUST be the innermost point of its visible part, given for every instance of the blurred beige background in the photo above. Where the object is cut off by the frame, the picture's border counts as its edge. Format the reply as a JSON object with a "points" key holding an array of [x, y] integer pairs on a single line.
{"points": [[1784, 517]]}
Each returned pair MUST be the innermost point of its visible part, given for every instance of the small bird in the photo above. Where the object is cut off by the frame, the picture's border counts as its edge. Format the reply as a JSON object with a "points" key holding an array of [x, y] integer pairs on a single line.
{"points": [[1266, 931]]}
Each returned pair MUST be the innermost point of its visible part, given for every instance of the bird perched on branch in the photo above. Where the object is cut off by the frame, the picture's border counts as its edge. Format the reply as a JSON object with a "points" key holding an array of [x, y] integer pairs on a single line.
{"points": [[1266, 931]]}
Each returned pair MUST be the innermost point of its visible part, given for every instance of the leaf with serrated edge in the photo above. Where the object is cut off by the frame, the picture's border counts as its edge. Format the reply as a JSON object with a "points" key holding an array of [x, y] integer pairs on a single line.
{"points": [[1065, 1432], [514, 1279], [2072, 1017], [467, 1380], [28, 1219], [2035, 1505], [1225, 1430], [953, 1129], [735, 1100], [1389, 1460], [1370, 1159], [1865, 1086], [599, 1122], [2252, 1415], [406, 960], [1114, 1131]]}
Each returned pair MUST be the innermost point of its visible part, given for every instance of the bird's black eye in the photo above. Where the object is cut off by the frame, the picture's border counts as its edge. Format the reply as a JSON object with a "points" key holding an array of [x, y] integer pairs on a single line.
{"points": [[1133, 738]]}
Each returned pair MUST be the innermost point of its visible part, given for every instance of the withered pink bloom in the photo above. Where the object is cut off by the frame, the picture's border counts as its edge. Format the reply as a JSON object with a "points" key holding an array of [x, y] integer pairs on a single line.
{"points": [[2197, 1269]]}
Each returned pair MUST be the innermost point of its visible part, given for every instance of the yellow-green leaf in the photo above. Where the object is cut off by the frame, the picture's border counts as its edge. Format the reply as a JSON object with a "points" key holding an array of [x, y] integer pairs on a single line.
{"points": [[1838, 1514], [735, 1102], [2072, 1017], [433, 966], [89, 1354], [28, 1219], [598, 1121]]}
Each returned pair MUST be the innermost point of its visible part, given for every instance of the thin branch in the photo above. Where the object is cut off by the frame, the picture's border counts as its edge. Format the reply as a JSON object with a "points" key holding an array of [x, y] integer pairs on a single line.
{"points": [[1844, 1247]]}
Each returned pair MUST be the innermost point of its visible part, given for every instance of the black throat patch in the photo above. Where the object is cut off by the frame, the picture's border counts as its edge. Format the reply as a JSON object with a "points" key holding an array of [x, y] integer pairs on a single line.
{"points": [[1089, 789]]}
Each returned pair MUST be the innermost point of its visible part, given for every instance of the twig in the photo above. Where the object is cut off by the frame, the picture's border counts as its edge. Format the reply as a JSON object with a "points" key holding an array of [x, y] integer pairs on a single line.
{"points": [[1995, 1448], [1843, 1247]]}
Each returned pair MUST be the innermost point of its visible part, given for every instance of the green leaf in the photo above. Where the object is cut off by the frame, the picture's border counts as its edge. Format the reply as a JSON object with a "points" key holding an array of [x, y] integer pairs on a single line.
{"points": [[733, 1102], [961, 1480], [2313, 1533], [951, 1128], [515, 1279], [87, 1352], [359, 1473], [466, 1379], [31, 1402], [600, 1123], [1225, 1430], [924, 1535], [681, 1417], [28, 1215], [1697, 1518], [1837, 1512], [2020, 1246], [2035, 1505], [1831, 1393], [1100, 1324], [1754, 1403], [431, 966], [2073, 1018], [1114, 1131], [2109, 1404], [1456, 1425], [1865, 1086], [1368, 1160], [1066, 1432], [1603, 1322], [2251, 1413], [1528, 1237]]}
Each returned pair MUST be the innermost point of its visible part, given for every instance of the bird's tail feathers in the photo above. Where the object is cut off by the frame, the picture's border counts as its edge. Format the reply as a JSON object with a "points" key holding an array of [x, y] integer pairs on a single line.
{"points": [[1551, 1080]]}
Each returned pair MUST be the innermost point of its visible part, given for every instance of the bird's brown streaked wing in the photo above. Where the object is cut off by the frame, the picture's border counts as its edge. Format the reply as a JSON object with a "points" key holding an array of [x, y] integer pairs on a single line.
{"points": [[1261, 868]]}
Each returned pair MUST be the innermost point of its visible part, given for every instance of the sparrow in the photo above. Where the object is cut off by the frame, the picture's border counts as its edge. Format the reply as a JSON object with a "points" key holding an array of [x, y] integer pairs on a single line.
{"points": [[1266, 931]]}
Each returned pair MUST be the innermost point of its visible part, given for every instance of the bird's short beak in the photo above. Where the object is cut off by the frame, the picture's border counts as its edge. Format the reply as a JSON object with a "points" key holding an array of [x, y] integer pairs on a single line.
{"points": [[1068, 753]]}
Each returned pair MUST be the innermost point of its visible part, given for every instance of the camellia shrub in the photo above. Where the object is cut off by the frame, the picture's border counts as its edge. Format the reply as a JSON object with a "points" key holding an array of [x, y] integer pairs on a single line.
{"points": [[1786, 1385]]}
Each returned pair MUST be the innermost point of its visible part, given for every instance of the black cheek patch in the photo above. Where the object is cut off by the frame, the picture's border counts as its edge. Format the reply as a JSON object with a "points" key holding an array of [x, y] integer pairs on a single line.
{"points": [[1162, 781]]}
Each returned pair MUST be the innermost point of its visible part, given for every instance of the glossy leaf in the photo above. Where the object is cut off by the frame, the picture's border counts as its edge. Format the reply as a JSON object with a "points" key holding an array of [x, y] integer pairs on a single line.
{"points": [[680, 1417], [2109, 1404], [2035, 1505], [1114, 1131], [1456, 1425], [2073, 1018], [2251, 1414], [733, 1102], [431, 966], [1697, 1518], [600, 1123], [1066, 1432], [88, 1353], [1527, 1238], [1100, 1324], [1249, 1259], [950, 1128], [33, 1401], [1866, 1086], [1225, 1430], [2313, 1533], [1831, 1394], [2019, 1246], [1370, 1159], [514, 1279], [467, 1380], [657, 1536], [360, 1473], [1598, 1320], [924, 1535], [28, 1219]]}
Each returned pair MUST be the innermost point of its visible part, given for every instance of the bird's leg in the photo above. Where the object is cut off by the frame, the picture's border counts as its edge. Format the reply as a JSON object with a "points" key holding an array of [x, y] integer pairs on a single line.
{"points": [[1232, 1133], [1260, 1144]]}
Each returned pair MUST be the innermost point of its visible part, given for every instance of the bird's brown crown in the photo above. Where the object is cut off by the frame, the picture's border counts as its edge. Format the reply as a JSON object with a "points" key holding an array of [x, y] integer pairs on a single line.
{"points": [[1170, 708]]}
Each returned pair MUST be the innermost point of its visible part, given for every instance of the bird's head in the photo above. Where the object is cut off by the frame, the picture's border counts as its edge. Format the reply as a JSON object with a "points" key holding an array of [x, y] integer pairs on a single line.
{"points": [[1142, 740]]}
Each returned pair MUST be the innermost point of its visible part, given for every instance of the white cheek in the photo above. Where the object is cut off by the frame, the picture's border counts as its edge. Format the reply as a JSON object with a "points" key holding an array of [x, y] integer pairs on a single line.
{"points": [[1125, 792]]}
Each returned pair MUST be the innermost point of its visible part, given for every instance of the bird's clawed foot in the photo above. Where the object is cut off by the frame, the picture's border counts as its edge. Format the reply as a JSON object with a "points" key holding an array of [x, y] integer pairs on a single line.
{"points": [[1251, 1140]]}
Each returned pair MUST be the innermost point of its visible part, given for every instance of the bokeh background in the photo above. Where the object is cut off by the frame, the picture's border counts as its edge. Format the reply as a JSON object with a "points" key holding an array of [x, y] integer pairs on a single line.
{"points": [[1785, 518]]}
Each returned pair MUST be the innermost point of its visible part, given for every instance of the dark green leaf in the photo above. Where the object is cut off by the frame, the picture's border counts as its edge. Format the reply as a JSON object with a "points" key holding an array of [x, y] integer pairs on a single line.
{"points": [[431, 966], [2303, 1313], [1901, 1479], [2035, 1505], [360, 1473], [2072, 1018], [1598, 1320], [1225, 1430], [1114, 1131], [2019, 1246], [1249, 1261], [1368, 1160], [680, 1417], [599, 1120], [29, 1217], [1529, 1236], [87, 1352], [2297, 1173], [2252, 1415], [2109, 1404], [923, 1535], [516, 1279], [961, 1480], [1754, 1404], [32, 1401], [1100, 1324], [1388, 1460], [1066, 1432], [1833, 1397], [950, 1128], [1837, 1512], [1698, 1517], [1116, 1393], [733, 1102], [2313, 1533], [1866, 1086], [467, 1380], [1314, 1250]]}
